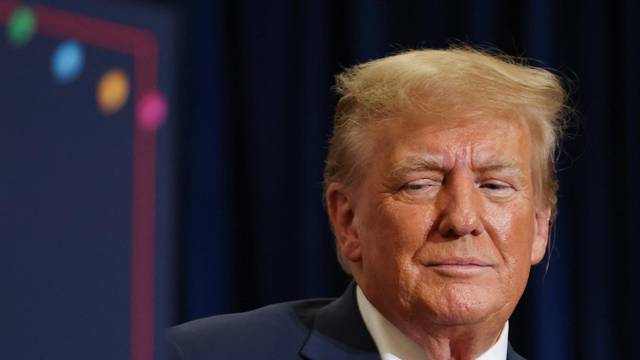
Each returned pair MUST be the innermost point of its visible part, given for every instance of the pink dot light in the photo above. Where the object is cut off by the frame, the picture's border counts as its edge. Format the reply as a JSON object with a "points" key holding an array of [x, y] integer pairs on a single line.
{"points": [[151, 110]]}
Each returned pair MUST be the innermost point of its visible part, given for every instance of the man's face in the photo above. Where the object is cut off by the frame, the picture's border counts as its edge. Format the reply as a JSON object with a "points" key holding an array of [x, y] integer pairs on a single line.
{"points": [[443, 227]]}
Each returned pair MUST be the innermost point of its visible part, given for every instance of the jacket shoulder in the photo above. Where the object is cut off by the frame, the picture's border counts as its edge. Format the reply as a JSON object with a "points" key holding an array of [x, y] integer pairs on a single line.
{"points": [[273, 332], [512, 354]]}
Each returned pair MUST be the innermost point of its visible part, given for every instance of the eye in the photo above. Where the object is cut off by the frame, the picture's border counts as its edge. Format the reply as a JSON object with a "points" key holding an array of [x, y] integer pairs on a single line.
{"points": [[419, 186], [493, 186], [496, 187]]}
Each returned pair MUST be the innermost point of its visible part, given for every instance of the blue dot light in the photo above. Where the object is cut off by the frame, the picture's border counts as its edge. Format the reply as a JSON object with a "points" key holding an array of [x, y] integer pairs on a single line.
{"points": [[67, 61]]}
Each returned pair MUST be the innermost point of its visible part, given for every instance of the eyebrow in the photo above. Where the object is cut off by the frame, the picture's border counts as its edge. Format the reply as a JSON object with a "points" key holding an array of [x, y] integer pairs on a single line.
{"points": [[417, 163], [497, 163], [437, 163]]}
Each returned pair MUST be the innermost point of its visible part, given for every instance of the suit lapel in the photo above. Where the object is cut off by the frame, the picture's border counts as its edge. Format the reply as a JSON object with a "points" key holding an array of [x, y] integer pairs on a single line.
{"points": [[339, 333], [513, 355]]}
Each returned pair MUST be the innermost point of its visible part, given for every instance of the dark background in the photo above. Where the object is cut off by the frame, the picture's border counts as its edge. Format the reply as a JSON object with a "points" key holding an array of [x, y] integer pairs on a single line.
{"points": [[66, 192], [257, 93], [241, 159]]}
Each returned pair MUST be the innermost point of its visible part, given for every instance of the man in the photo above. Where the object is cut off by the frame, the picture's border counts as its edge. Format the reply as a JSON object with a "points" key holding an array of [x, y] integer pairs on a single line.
{"points": [[440, 189]]}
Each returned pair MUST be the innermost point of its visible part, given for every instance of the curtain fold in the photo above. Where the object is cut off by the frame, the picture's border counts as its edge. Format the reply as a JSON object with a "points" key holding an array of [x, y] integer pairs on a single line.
{"points": [[258, 109]]}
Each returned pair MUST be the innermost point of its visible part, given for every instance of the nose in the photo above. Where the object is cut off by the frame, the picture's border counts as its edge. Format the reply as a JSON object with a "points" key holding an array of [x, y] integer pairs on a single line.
{"points": [[460, 207]]}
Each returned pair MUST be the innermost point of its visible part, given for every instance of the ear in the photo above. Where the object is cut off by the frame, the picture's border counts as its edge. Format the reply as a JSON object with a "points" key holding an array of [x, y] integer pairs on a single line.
{"points": [[541, 235], [341, 206]]}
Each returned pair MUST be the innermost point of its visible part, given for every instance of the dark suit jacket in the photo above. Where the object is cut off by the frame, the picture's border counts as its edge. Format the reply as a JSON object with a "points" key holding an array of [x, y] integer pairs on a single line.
{"points": [[328, 329]]}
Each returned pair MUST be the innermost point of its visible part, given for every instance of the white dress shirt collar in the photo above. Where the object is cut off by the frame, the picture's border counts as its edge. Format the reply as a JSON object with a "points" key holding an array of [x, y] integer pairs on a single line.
{"points": [[394, 345]]}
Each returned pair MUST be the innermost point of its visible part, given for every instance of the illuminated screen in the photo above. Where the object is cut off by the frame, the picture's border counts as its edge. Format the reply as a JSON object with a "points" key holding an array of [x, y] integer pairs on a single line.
{"points": [[86, 154]]}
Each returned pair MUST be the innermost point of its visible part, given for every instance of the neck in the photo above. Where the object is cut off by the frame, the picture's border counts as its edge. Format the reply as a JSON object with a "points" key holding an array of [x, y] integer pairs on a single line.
{"points": [[423, 336], [456, 342]]}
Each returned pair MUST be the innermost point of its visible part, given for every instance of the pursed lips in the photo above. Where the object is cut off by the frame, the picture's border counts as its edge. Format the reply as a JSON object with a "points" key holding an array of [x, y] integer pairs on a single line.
{"points": [[458, 266], [459, 261]]}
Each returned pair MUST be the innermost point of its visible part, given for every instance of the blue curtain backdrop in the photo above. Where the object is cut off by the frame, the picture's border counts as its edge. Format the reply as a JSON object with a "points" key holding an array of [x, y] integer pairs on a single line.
{"points": [[257, 114]]}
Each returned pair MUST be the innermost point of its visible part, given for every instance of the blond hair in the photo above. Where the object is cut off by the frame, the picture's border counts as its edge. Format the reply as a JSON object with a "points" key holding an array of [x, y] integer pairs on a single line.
{"points": [[441, 83]]}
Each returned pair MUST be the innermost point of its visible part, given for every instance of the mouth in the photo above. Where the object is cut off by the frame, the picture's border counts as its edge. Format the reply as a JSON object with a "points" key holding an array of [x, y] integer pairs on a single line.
{"points": [[458, 265]]}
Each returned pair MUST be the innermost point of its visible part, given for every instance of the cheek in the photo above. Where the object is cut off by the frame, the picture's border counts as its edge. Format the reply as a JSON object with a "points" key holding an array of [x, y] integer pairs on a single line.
{"points": [[396, 231], [408, 224], [399, 231], [512, 230]]}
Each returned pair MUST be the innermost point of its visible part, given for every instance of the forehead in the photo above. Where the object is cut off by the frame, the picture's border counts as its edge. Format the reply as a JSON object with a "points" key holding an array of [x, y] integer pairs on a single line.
{"points": [[473, 139]]}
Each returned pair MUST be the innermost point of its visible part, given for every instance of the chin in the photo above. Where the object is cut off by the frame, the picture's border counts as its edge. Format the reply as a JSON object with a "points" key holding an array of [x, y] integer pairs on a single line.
{"points": [[462, 304]]}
